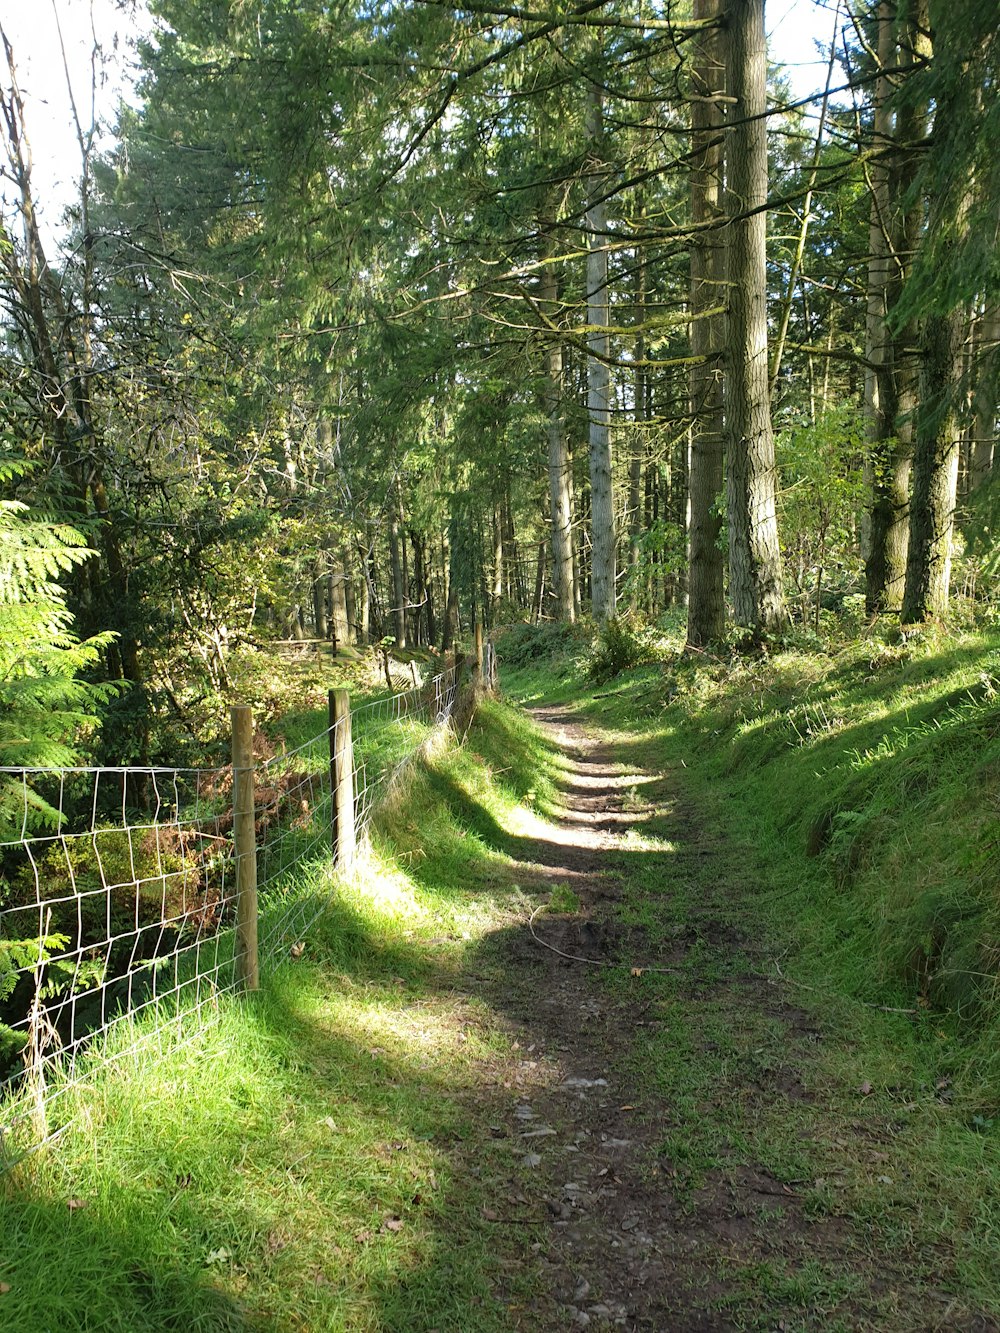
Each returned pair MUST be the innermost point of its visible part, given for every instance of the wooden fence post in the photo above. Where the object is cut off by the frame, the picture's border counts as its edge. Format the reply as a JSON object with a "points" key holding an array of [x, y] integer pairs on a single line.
{"points": [[245, 849], [342, 779], [479, 648]]}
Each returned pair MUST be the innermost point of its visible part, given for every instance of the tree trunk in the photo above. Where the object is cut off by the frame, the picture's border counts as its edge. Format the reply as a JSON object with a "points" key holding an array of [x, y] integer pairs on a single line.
{"points": [[396, 566], [891, 379], [987, 396], [497, 590], [637, 453], [350, 600], [560, 475], [539, 597], [602, 515], [422, 591], [450, 631], [706, 621], [754, 556], [339, 621], [935, 470], [319, 602]]}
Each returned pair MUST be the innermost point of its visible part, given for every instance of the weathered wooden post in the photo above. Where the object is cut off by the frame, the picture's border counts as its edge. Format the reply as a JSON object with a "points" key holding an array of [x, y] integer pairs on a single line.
{"points": [[479, 648], [245, 849], [342, 779]]}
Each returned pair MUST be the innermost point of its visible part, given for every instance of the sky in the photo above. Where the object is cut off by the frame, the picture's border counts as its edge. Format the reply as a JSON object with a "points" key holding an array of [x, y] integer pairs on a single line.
{"points": [[793, 29], [32, 30], [793, 26]]}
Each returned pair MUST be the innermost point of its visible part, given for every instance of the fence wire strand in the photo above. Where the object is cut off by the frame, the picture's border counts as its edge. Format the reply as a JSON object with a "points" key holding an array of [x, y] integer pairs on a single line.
{"points": [[118, 893]]}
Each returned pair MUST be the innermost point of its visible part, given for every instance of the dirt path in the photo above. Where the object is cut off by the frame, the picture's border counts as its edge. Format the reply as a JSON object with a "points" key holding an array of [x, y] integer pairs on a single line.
{"points": [[652, 1224]]}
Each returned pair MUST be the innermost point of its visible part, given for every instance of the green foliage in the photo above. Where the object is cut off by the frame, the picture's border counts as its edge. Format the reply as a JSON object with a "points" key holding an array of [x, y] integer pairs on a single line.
{"points": [[621, 645], [662, 553], [45, 707], [821, 495], [326, 1066], [520, 644], [123, 879]]}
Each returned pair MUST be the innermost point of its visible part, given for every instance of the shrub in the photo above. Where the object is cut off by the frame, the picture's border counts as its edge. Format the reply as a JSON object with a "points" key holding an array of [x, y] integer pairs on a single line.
{"points": [[620, 646]]}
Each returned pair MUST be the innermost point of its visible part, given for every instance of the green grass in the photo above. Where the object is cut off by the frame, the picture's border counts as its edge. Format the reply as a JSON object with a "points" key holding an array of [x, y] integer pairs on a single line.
{"points": [[851, 799], [317, 1157]]}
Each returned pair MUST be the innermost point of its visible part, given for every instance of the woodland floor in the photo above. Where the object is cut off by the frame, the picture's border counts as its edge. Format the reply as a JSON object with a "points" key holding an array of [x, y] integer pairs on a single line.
{"points": [[650, 1209]]}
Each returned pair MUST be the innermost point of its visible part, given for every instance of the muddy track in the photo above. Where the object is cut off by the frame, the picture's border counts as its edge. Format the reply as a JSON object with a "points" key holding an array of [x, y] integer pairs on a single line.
{"points": [[629, 1242]]}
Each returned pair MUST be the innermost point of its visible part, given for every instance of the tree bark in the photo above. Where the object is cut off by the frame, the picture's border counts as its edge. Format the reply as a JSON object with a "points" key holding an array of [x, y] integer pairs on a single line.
{"points": [[560, 475], [935, 470], [396, 567], [891, 379], [450, 630], [602, 515], [987, 396], [319, 601], [640, 414], [755, 578], [339, 621]]}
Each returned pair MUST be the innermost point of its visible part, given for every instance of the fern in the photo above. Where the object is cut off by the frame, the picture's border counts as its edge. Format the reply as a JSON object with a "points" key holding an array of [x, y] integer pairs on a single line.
{"points": [[45, 708]]}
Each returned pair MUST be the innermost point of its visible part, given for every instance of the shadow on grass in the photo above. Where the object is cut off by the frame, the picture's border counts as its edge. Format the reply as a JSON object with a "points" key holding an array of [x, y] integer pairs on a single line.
{"points": [[319, 1181], [325, 1160]]}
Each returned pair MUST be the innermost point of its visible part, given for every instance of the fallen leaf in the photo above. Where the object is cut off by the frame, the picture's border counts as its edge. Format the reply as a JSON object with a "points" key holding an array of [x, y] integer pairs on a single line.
{"points": [[489, 1215], [866, 1089]]}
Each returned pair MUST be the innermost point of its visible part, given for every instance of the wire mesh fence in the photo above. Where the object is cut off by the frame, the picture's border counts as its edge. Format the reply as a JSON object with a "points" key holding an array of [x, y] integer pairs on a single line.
{"points": [[120, 889]]}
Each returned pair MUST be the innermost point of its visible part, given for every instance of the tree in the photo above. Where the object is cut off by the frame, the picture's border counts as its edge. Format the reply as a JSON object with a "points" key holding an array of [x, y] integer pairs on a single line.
{"points": [[706, 602], [899, 126], [755, 578], [602, 515], [956, 268]]}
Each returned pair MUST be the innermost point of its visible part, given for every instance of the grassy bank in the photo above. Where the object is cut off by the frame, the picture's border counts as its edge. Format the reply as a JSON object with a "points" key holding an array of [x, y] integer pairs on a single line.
{"points": [[829, 834], [302, 1161]]}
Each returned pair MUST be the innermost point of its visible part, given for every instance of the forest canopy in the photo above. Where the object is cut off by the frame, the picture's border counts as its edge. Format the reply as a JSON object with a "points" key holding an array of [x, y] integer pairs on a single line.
{"points": [[373, 322]]}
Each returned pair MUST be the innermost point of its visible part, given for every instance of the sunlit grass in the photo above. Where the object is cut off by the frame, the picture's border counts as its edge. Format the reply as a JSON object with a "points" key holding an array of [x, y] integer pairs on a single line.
{"points": [[297, 1160], [851, 801]]}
